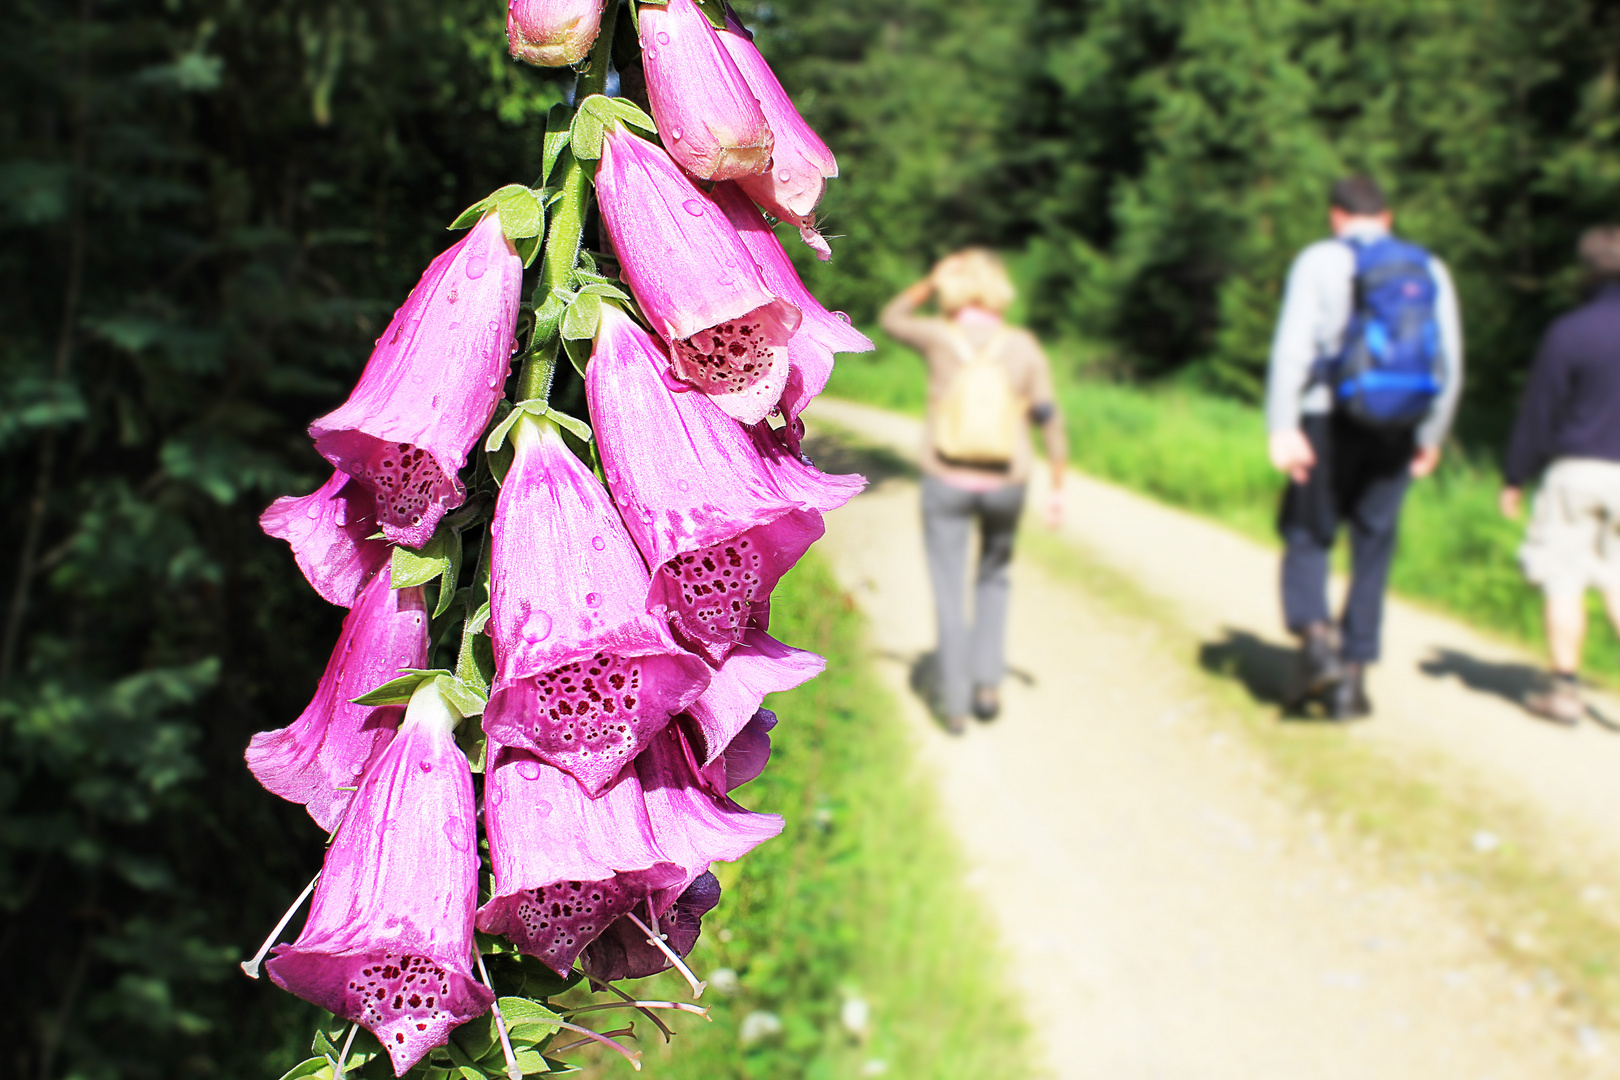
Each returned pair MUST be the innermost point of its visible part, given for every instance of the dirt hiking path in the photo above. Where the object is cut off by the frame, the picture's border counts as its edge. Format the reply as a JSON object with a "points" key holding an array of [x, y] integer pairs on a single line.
{"points": [[1165, 914]]}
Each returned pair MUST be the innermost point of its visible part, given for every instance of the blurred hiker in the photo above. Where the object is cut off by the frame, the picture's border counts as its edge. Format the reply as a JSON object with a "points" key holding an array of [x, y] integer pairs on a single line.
{"points": [[1569, 426], [1366, 369], [987, 383]]}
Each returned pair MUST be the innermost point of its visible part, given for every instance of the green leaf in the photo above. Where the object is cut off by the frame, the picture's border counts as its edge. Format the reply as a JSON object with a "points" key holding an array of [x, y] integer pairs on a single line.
{"points": [[549, 315], [527, 248], [596, 114], [497, 437], [475, 625], [714, 11], [473, 214], [412, 566], [528, 1020], [475, 744], [521, 212], [467, 698], [559, 125], [579, 354], [398, 691], [579, 322], [530, 1061], [315, 1066], [601, 286]]}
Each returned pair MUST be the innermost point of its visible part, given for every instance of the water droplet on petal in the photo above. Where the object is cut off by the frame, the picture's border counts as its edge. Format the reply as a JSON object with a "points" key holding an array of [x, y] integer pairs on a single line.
{"points": [[598, 543], [342, 516], [663, 38], [784, 175], [476, 266], [675, 133], [649, 54], [842, 317], [455, 831], [496, 794], [683, 485], [593, 599], [693, 207], [314, 510], [536, 624], [529, 769], [425, 765], [646, 516]]}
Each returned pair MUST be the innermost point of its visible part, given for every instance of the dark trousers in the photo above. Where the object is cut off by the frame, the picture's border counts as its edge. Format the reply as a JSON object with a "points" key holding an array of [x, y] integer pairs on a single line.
{"points": [[969, 655], [1360, 479]]}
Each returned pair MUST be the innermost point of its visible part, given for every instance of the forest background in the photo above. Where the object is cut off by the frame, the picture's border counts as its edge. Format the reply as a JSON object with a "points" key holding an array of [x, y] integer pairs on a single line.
{"points": [[210, 208]]}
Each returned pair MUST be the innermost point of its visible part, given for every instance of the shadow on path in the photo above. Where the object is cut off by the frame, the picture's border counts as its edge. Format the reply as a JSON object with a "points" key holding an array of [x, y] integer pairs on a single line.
{"points": [[834, 453], [1511, 681], [1265, 669]]}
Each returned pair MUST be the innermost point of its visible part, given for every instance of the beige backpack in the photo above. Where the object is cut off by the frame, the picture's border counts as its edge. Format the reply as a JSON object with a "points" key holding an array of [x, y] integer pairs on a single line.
{"points": [[977, 420]]}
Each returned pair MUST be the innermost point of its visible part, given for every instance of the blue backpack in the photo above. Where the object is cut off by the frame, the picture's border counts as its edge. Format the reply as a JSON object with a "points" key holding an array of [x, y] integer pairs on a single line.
{"points": [[1386, 374]]}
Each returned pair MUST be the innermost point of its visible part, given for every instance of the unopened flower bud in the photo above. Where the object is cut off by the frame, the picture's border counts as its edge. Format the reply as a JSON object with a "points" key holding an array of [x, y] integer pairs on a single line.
{"points": [[552, 33]]}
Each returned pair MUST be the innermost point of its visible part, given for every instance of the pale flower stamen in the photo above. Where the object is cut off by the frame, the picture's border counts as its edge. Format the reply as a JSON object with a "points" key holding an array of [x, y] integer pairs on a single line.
{"points": [[513, 1071], [250, 968], [656, 940]]}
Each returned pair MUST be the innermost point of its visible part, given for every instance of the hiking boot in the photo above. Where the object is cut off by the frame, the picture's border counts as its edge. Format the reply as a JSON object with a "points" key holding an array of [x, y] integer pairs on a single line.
{"points": [[1319, 665], [1561, 702], [986, 702], [1348, 698]]}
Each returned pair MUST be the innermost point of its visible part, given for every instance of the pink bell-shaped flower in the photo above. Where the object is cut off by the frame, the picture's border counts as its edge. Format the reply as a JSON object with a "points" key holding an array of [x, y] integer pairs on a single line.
{"points": [[759, 666], [821, 333], [692, 491], [552, 33], [705, 110], [745, 757], [319, 758], [694, 278], [801, 164], [389, 941], [566, 865], [431, 386], [329, 531], [694, 822], [626, 952], [585, 676], [796, 478]]}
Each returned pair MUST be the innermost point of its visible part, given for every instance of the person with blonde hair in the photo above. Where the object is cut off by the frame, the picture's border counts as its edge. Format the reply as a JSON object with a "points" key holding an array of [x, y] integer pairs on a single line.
{"points": [[988, 383], [1568, 430]]}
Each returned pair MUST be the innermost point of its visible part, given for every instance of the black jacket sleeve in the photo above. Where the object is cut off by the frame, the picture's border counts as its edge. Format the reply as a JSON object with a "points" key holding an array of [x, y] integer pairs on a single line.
{"points": [[1531, 447]]}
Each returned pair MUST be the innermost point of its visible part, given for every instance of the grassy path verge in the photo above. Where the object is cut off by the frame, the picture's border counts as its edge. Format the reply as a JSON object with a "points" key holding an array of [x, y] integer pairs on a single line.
{"points": [[859, 900], [1208, 455]]}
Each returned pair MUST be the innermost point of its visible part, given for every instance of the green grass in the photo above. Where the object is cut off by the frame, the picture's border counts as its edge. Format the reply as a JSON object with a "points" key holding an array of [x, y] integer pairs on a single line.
{"points": [[1547, 910], [1208, 454], [861, 896]]}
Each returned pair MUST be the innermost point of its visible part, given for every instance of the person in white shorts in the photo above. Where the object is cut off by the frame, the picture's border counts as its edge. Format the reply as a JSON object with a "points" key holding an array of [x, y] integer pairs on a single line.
{"points": [[1569, 426]]}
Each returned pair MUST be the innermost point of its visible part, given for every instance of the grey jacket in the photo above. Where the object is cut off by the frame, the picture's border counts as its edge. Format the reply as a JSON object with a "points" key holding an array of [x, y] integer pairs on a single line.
{"points": [[1317, 308]]}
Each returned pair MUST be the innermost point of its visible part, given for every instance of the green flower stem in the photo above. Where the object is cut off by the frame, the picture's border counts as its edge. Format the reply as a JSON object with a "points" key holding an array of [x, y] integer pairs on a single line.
{"points": [[568, 214]]}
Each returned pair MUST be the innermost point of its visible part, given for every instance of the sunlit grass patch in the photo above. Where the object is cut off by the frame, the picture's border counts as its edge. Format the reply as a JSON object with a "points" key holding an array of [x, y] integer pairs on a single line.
{"points": [[857, 908]]}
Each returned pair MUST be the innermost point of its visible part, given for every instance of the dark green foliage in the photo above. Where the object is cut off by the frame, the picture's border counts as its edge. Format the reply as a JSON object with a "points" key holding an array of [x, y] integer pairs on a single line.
{"points": [[1160, 161], [209, 211]]}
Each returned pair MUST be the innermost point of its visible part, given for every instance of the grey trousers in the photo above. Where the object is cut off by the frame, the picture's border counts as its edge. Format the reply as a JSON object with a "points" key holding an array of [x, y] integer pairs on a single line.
{"points": [[969, 656]]}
